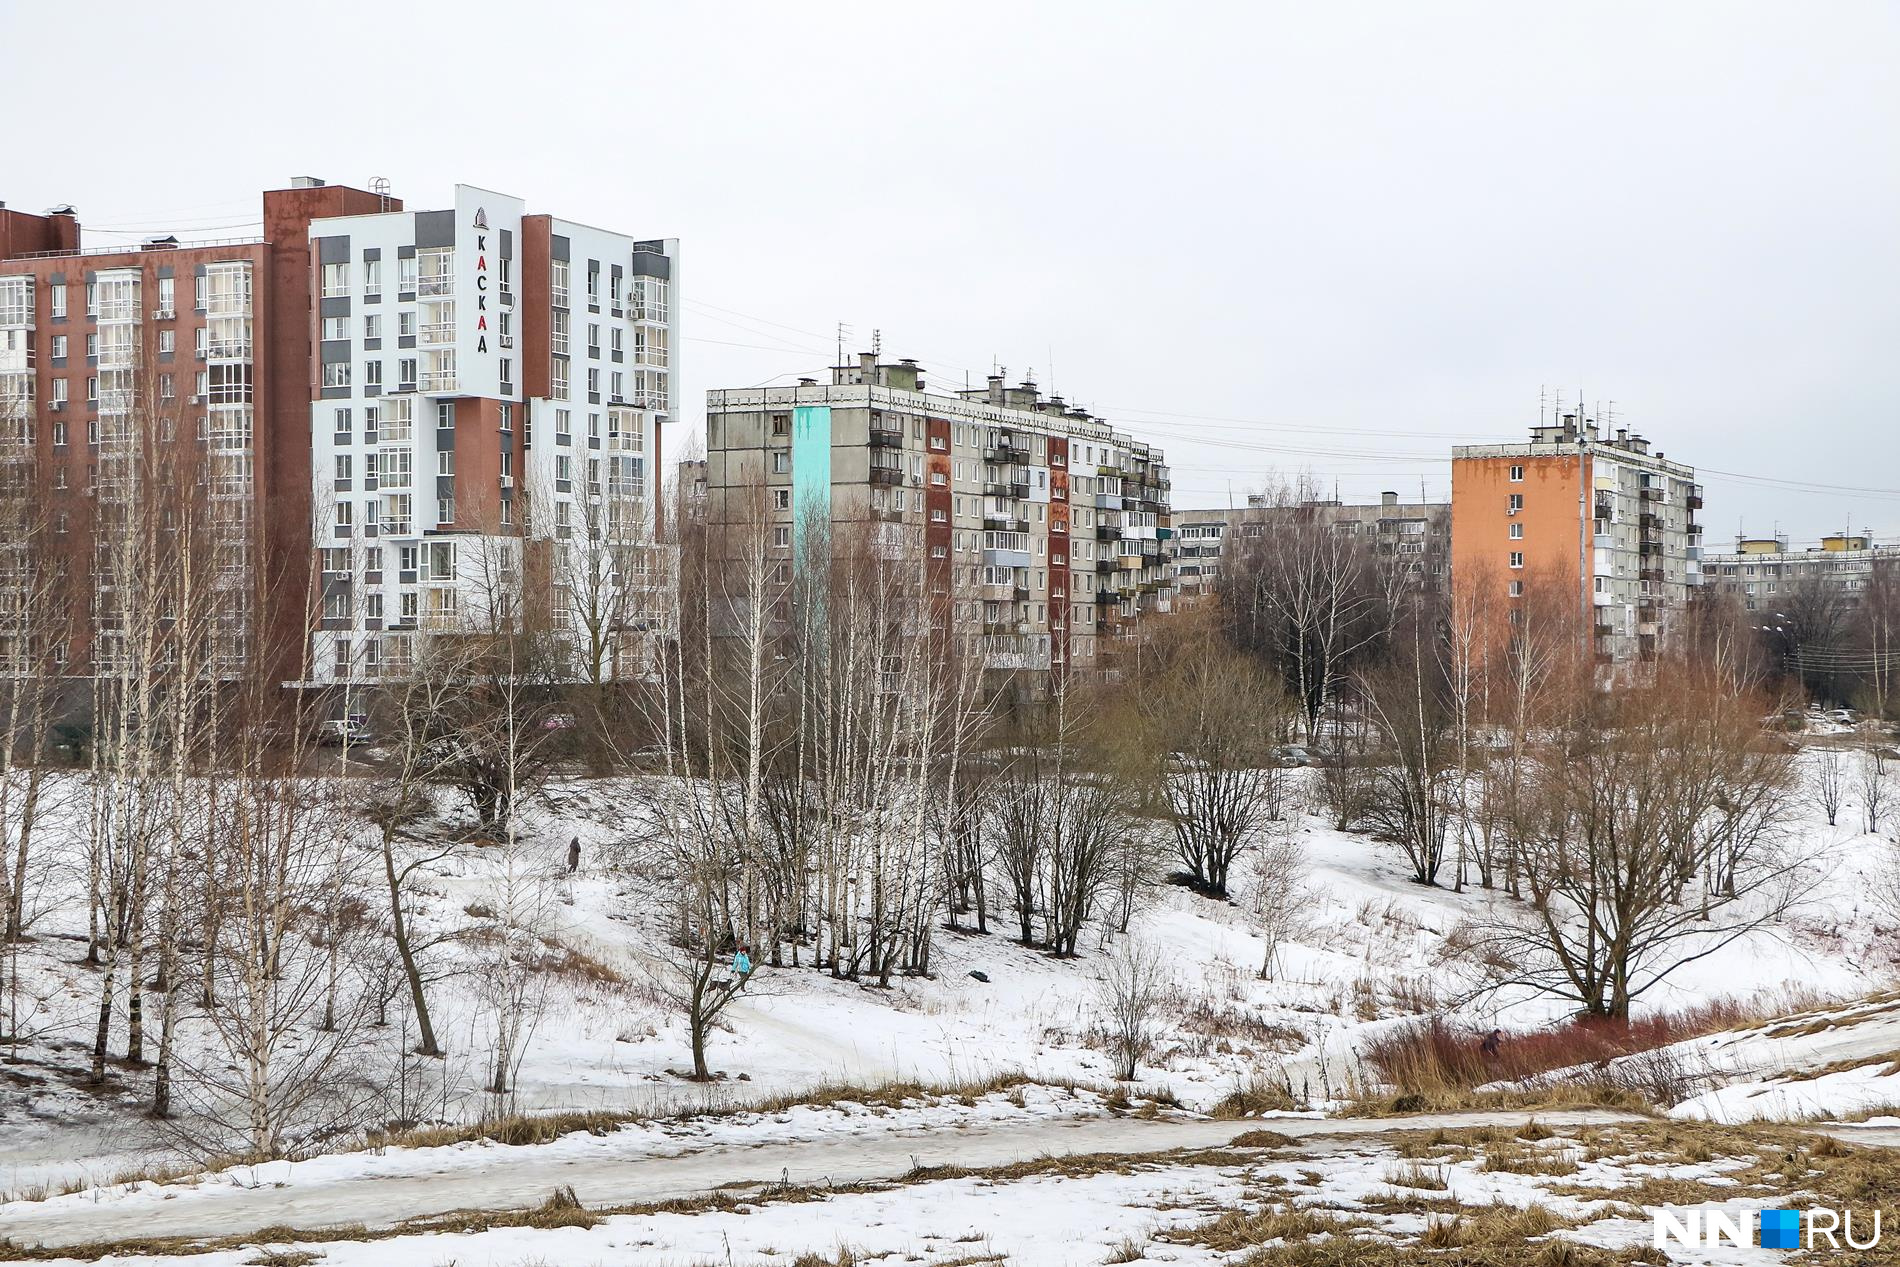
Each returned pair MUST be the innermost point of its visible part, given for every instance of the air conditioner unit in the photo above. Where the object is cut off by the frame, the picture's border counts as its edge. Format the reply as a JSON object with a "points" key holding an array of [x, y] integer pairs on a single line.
{"points": [[163, 314], [507, 481], [197, 400], [507, 340]]}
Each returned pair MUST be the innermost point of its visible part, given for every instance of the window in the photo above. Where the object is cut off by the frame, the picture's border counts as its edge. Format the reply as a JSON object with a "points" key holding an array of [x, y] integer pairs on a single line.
{"points": [[406, 324], [781, 499], [59, 347], [781, 462], [59, 302], [372, 325], [1517, 502], [406, 274], [406, 374], [781, 424], [345, 514], [1517, 475], [593, 282], [1517, 532], [593, 339], [435, 271], [336, 374], [336, 327], [372, 277], [167, 389], [1517, 558], [781, 538], [59, 393], [558, 283], [167, 341], [373, 374], [341, 424], [1517, 589], [563, 425], [336, 280], [557, 335]]}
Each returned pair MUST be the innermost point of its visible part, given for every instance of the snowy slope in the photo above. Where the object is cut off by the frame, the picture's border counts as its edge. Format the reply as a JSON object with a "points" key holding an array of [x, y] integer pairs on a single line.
{"points": [[1370, 959]]}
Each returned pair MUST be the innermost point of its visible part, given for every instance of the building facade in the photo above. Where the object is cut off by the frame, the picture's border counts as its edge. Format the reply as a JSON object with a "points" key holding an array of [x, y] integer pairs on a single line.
{"points": [[487, 424], [407, 414], [1599, 521], [1046, 525], [133, 374], [1761, 571], [1412, 537]]}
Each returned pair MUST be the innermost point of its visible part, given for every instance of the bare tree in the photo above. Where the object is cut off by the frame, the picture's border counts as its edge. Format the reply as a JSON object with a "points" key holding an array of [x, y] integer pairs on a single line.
{"points": [[1282, 897], [1306, 594], [1213, 718], [1873, 787], [1414, 783], [1135, 987], [1609, 864], [1829, 784]]}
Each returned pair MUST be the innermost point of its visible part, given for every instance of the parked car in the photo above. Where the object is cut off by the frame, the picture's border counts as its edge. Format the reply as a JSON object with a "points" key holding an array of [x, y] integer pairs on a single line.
{"points": [[1292, 754], [339, 731]]}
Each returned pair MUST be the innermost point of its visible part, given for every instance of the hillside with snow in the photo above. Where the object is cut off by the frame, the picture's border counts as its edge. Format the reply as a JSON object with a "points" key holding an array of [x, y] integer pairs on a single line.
{"points": [[599, 1037]]}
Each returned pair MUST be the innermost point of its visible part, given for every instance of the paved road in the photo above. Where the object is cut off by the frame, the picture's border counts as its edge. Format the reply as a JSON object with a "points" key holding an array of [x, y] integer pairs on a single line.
{"points": [[526, 1179]]}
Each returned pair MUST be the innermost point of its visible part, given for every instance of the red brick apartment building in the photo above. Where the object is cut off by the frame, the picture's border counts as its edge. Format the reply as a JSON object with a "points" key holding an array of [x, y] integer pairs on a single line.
{"points": [[360, 389]]}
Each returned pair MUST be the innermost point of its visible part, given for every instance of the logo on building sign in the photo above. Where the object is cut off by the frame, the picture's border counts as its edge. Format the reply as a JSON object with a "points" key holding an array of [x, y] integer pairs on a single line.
{"points": [[481, 279]]}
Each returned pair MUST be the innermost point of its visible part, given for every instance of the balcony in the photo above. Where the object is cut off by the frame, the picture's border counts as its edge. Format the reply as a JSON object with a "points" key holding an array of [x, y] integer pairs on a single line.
{"points": [[1104, 532], [1019, 491], [886, 475], [440, 382], [438, 332], [883, 438]]}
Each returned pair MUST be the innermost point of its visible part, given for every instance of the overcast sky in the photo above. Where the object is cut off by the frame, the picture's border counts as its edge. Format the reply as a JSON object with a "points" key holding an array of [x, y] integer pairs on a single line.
{"points": [[1327, 237]]}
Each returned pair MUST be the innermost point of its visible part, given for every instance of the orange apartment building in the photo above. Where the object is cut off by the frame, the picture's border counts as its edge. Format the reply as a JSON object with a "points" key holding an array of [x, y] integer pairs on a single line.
{"points": [[1577, 512]]}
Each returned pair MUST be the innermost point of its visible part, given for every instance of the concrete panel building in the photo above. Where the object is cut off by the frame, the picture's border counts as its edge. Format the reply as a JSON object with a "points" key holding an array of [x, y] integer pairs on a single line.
{"points": [[1598, 518], [1048, 524]]}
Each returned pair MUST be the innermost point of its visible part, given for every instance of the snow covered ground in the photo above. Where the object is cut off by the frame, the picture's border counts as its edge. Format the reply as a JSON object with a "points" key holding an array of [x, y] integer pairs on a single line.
{"points": [[1592, 1182], [600, 1041]]}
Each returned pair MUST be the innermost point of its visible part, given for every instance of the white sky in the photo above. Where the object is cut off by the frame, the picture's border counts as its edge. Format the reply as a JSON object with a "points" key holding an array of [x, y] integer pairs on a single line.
{"points": [[1272, 237]]}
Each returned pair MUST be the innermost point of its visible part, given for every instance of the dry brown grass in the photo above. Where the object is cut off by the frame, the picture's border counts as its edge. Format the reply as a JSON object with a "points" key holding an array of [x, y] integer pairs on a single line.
{"points": [[1578, 1095], [1236, 1230], [1259, 1094]]}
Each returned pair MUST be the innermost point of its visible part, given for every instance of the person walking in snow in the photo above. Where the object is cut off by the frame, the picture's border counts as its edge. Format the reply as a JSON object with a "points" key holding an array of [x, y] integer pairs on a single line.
{"points": [[741, 967], [574, 855], [1492, 1041]]}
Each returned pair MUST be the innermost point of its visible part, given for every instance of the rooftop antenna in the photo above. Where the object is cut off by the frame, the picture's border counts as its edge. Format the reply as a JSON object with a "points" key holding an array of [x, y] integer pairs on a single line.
{"points": [[877, 343], [1052, 369], [1543, 403], [379, 185], [844, 332]]}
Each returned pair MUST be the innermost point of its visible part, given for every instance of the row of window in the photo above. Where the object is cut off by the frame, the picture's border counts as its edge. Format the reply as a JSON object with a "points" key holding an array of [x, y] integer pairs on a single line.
{"points": [[430, 271], [223, 289]]}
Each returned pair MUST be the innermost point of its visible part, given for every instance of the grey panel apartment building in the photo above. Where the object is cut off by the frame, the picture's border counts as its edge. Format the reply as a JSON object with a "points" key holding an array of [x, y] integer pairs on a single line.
{"points": [[1044, 524], [1413, 537]]}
